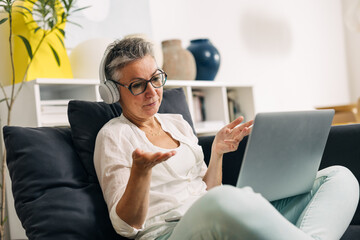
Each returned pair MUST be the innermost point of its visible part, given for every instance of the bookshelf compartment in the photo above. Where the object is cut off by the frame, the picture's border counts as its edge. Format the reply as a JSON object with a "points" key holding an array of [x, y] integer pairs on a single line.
{"points": [[79, 92], [209, 103], [241, 103]]}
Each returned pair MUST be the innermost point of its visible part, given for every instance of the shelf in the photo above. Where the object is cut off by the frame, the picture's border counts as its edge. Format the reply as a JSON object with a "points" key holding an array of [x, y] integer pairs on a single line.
{"points": [[54, 102], [66, 81], [202, 83], [208, 127]]}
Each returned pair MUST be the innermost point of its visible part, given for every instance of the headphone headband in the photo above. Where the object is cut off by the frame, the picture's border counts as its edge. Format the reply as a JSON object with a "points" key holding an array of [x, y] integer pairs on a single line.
{"points": [[103, 64], [109, 92]]}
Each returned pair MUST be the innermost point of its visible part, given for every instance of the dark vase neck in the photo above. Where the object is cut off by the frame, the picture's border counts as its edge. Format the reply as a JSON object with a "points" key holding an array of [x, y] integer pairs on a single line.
{"points": [[200, 40]]}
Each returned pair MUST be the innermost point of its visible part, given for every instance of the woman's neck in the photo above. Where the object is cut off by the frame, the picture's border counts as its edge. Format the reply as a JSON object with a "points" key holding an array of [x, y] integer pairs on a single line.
{"points": [[144, 123]]}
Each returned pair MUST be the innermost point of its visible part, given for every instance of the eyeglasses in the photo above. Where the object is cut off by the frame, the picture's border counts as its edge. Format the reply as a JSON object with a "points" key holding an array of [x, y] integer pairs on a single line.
{"points": [[139, 86]]}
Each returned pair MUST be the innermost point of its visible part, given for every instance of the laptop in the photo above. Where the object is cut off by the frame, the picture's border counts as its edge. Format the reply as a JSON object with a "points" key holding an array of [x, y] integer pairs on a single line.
{"points": [[284, 151]]}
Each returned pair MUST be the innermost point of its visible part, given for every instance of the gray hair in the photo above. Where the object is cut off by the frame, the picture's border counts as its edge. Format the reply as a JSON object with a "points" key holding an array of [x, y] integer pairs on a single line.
{"points": [[122, 52]]}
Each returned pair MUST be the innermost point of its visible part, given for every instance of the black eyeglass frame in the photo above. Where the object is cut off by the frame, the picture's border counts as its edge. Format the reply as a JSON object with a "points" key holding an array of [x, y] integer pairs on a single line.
{"points": [[147, 81]]}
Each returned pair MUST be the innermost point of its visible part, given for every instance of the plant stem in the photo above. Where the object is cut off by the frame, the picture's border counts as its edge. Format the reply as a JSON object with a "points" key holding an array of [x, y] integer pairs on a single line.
{"points": [[12, 71], [3, 169], [3, 188]]}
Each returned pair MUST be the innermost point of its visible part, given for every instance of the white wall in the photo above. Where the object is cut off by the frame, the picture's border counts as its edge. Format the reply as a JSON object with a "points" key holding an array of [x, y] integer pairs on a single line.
{"points": [[108, 19], [351, 12], [293, 52]]}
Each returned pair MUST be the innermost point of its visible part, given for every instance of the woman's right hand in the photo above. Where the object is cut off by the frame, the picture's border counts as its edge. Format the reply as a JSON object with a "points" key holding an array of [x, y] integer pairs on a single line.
{"points": [[145, 161], [129, 208]]}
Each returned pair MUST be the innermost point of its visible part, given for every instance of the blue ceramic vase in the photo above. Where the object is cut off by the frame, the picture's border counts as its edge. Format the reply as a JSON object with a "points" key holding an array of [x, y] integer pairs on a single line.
{"points": [[207, 58]]}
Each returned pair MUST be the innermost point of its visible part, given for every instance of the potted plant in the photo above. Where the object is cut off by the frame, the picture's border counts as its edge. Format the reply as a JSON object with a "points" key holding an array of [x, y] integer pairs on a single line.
{"points": [[48, 18]]}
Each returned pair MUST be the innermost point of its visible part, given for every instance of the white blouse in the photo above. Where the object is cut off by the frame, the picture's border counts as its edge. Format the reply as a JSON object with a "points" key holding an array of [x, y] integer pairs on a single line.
{"points": [[175, 183]]}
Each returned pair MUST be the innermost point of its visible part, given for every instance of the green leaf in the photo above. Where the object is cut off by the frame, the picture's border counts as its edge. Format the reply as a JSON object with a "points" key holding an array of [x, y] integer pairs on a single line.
{"points": [[80, 9], [66, 5], [55, 55], [8, 9], [51, 23], [37, 29], [60, 39], [27, 45], [20, 12], [24, 8], [61, 31], [63, 17], [3, 20], [75, 23], [2, 100], [5, 219]]}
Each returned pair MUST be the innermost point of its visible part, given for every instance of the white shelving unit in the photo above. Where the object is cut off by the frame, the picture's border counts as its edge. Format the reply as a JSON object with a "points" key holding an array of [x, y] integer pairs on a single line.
{"points": [[43, 102]]}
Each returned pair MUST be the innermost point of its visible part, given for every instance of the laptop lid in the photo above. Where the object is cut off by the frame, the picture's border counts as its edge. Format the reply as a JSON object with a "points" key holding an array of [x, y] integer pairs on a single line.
{"points": [[284, 151]]}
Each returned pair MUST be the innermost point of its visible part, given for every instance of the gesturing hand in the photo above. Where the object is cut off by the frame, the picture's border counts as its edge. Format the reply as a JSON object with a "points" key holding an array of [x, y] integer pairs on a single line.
{"points": [[229, 137], [145, 161]]}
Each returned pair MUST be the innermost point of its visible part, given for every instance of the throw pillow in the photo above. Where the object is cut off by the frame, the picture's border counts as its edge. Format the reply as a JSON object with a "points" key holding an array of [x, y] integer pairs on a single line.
{"points": [[53, 198]]}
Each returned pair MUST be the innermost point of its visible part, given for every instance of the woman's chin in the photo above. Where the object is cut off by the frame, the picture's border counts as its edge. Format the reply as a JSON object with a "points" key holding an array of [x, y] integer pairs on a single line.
{"points": [[151, 111]]}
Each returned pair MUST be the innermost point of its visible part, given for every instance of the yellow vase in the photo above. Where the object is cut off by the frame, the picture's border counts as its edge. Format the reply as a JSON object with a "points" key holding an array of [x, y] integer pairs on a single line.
{"points": [[44, 64]]}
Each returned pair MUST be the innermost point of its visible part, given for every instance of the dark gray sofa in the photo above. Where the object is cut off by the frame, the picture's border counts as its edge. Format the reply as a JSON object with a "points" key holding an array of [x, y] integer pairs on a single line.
{"points": [[56, 192]]}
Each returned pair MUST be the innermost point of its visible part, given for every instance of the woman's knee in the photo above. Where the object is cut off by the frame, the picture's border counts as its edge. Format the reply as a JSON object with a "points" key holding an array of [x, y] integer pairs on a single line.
{"points": [[341, 183], [230, 202], [340, 175], [230, 211]]}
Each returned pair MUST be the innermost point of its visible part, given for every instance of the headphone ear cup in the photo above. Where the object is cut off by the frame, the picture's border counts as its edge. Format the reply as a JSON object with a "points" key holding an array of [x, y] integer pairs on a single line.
{"points": [[109, 92]]}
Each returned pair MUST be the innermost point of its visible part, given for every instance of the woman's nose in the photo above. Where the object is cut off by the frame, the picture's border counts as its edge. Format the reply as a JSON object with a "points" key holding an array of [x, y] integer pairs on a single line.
{"points": [[150, 90]]}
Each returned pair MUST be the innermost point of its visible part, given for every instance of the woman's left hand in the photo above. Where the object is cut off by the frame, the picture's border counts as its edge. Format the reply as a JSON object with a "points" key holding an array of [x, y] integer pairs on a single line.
{"points": [[229, 137]]}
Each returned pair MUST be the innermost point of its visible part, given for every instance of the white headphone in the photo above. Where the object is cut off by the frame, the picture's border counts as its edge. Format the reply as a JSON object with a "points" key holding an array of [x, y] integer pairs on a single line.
{"points": [[108, 90]]}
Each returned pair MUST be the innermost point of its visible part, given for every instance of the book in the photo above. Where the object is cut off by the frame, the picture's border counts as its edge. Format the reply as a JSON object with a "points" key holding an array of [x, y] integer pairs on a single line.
{"points": [[234, 106], [199, 106]]}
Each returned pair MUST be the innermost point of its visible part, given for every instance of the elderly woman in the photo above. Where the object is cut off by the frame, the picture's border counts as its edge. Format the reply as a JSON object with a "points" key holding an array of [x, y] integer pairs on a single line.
{"points": [[157, 186]]}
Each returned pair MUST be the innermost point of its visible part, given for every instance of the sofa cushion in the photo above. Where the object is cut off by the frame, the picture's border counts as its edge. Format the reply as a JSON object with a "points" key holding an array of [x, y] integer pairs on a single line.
{"points": [[87, 118], [174, 101], [352, 233], [53, 198]]}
